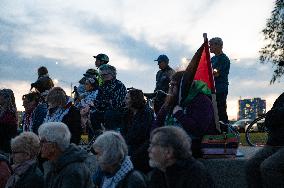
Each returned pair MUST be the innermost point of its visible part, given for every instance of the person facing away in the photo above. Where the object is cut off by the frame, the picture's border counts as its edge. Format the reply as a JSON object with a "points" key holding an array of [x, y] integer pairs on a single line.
{"points": [[26, 174], [195, 114], [115, 168], [61, 109], [266, 167], [140, 118], [44, 82], [221, 67], [8, 119], [34, 113], [163, 78], [66, 166], [174, 167]]}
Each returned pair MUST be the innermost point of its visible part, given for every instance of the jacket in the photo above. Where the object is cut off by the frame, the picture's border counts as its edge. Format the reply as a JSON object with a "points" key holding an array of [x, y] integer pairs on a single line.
{"points": [[184, 173], [69, 170]]}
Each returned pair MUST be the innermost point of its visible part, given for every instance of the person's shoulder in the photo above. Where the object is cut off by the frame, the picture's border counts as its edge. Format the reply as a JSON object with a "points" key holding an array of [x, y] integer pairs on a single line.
{"points": [[135, 179], [224, 57]]}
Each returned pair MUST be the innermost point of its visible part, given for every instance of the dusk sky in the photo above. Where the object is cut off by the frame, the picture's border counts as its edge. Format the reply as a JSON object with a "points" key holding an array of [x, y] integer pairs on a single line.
{"points": [[64, 35]]}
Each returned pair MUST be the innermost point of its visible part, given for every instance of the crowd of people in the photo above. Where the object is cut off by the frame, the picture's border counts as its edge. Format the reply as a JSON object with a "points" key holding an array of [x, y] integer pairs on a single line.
{"points": [[134, 145]]}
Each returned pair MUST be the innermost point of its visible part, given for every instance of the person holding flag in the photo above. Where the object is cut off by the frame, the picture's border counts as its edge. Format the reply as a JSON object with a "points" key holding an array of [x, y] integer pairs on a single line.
{"points": [[221, 68], [188, 104]]}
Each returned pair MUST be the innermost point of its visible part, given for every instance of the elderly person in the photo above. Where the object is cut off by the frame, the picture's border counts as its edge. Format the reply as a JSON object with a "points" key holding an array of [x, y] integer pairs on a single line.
{"points": [[195, 114], [110, 100], [25, 149], [61, 109], [174, 166], [115, 167], [140, 118], [8, 119], [65, 167]]}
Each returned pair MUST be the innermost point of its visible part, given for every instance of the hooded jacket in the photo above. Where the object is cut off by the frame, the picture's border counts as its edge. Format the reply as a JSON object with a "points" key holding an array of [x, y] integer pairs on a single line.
{"points": [[69, 170]]}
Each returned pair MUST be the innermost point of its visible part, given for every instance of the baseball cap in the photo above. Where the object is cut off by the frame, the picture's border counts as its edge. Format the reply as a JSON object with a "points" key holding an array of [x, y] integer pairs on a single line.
{"points": [[102, 57], [162, 58], [91, 72]]}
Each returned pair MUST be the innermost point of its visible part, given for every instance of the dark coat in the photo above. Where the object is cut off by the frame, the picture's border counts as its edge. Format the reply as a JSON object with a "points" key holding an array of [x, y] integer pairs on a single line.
{"points": [[137, 138], [38, 116], [8, 130], [32, 178], [69, 171], [5, 170], [73, 121], [133, 179], [184, 173]]}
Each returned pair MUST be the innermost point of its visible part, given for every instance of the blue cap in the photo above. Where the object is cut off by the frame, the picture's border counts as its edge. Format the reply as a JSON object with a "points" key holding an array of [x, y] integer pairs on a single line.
{"points": [[162, 58]]}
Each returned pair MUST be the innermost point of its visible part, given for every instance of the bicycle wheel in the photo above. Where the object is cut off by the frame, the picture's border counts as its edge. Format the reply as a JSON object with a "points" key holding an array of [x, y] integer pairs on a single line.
{"points": [[256, 133]]}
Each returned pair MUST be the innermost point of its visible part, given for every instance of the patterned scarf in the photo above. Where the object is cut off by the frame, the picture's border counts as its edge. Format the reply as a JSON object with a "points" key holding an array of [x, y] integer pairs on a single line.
{"points": [[18, 171], [113, 181], [56, 116]]}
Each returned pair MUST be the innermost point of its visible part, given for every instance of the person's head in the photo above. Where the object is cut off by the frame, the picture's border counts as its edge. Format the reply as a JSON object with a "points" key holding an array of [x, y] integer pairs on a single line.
{"points": [[25, 147], [163, 61], [42, 71], [31, 100], [216, 45], [111, 149], [167, 145], [56, 97], [101, 59], [134, 99], [91, 84], [7, 100], [174, 86], [55, 139], [107, 72], [91, 73]]}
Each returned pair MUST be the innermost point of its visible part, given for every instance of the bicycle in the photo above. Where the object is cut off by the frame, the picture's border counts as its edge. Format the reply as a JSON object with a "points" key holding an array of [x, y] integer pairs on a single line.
{"points": [[256, 133]]}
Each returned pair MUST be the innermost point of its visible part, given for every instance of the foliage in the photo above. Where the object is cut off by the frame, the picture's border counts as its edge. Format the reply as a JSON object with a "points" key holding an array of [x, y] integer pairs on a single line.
{"points": [[273, 51]]}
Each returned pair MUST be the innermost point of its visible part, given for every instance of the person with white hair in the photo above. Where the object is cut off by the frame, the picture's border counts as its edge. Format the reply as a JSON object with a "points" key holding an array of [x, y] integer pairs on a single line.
{"points": [[25, 149], [115, 167], [170, 156], [65, 167]]}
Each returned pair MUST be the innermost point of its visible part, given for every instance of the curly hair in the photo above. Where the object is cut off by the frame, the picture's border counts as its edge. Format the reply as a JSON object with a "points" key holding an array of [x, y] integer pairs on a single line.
{"points": [[27, 142], [32, 96], [57, 97], [9, 101], [137, 100]]}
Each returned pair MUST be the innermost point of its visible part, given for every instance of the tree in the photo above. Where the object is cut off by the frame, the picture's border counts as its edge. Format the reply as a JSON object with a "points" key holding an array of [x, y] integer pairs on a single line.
{"points": [[273, 51]]}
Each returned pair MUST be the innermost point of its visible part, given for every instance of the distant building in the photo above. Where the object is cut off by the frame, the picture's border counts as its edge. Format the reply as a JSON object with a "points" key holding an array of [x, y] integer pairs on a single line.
{"points": [[251, 108]]}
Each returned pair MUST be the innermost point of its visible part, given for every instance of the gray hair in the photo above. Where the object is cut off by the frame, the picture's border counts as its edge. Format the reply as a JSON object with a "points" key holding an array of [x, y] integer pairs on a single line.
{"points": [[217, 41], [27, 142], [56, 132], [108, 68], [113, 147], [176, 138]]}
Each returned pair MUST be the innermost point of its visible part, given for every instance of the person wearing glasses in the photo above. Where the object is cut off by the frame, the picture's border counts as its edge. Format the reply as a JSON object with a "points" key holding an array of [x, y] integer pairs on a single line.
{"points": [[109, 104], [25, 149], [170, 156], [66, 167]]}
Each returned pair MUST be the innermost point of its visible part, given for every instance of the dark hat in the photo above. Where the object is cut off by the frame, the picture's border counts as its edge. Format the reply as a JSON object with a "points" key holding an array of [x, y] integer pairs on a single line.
{"points": [[163, 58], [102, 57], [91, 72]]}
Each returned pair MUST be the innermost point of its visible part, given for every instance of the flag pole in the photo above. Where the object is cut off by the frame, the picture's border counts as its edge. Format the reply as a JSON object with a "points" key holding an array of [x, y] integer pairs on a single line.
{"points": [[213, 95]]}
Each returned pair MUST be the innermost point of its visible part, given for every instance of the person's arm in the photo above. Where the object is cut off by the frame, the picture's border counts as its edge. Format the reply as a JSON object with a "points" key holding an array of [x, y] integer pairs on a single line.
{"points": [[199, 118], [161, 117], [118, 96]]}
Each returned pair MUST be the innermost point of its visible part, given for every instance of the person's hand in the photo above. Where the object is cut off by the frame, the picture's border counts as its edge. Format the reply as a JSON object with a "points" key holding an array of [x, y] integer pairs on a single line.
{"points": [[176, 108], [216, 72]]}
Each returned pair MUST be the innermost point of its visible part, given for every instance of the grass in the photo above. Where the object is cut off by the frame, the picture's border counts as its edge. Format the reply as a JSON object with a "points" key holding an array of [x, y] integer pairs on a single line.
{"points": [[258, 137]]}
